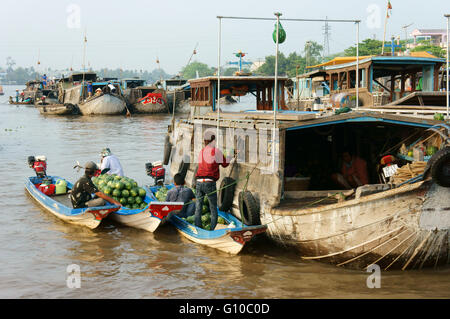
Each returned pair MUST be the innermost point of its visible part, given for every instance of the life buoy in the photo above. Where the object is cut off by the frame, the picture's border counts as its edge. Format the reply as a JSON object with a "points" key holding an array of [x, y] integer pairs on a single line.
{"points": [[249, 208], [167, 150], [226, 194], [438, 167]]}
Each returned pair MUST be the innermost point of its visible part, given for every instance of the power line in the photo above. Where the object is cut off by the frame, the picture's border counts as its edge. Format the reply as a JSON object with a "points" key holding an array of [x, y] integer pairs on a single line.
{"points": [[326, 38]]}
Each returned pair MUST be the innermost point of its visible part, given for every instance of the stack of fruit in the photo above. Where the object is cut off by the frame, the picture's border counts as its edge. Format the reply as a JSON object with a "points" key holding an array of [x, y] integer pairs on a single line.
{"points": [[123, 189], [161, 194]]}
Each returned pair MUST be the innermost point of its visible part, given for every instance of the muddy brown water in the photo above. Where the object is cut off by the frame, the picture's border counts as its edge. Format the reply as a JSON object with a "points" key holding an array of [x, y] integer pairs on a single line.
{"points": [[120, 262]]}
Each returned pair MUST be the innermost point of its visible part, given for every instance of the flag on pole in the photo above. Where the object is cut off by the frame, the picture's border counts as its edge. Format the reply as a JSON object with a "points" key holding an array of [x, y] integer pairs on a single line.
{"points": [[389, 9]]}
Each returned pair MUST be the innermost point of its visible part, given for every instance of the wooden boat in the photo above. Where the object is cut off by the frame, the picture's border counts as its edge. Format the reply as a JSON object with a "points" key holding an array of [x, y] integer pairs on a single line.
{"points": [[11, 101], [103, 104], [230, 240], [143, 98], [397, 226], [148, 218], [73, 90], [57, 109], [61, 206]]}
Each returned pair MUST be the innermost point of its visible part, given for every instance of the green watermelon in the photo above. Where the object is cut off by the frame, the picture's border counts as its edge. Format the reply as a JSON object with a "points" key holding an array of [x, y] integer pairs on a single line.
{"points": [[136, 206], [205, 209], [101, 183], [116, 192], [438, 116], [143, 205], [134, 192], [123, 201], [131, 200], [117, 199], [207, 227], [221, 220], [134, 184], [142, 192], [206, 219], [125, 193], [127, 185], [119, 185], [107, 190], [110, 184], [138, 200], [116, 177]]}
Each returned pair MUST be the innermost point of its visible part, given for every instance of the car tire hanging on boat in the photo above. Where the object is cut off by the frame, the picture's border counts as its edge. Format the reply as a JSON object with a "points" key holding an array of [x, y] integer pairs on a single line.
{"points": [[184, 166], [439, 166], [248, 208], [226, 194]]}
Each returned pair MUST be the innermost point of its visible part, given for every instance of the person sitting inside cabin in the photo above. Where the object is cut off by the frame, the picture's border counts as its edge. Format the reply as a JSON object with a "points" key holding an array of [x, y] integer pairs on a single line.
{"points": [[89, 88], [181, 193], [353, 172], [81, 195], [109, 160]]}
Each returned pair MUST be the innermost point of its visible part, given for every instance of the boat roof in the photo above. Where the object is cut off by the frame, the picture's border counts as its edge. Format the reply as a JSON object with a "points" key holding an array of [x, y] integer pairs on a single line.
{"points": [[295, 120]]}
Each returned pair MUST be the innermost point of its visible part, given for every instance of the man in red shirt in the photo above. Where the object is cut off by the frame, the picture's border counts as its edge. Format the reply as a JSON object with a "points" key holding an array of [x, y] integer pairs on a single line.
{"points": [[353, 171], [209, 160]]}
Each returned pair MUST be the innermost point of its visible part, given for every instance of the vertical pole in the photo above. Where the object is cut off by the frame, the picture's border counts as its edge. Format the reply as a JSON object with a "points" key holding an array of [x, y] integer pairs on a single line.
{"points": [[173, 109], [218, 82], [357, 65], [447, 66], [384, 34], [275, 96]]}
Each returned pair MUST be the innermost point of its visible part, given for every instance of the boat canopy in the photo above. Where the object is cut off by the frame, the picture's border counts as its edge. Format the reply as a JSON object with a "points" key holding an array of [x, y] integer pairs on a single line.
{"points": [[204, 90]]}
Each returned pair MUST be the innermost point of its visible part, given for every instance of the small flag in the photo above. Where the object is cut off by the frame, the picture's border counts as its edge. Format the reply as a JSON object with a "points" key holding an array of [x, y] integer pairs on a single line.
{"points": [[389, 9]]}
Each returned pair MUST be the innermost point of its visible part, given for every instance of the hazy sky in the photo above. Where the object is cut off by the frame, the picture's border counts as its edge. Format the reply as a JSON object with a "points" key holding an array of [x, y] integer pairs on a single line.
{"points": [[132, 33]]}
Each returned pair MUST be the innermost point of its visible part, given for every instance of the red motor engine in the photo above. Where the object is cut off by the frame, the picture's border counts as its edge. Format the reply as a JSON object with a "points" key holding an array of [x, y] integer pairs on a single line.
{"points": [[157, 171], [39, 165]]}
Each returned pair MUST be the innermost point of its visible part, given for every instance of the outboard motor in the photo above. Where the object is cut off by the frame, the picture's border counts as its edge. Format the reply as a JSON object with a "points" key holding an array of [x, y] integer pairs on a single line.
{"points": [[39, 165], [157, 171]]}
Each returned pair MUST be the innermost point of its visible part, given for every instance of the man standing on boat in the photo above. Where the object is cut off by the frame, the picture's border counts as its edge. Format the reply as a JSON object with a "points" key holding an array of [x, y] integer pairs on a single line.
{"points": [[209, 160], [89, 89], [109, 160], [81, 192], [17, 95]]}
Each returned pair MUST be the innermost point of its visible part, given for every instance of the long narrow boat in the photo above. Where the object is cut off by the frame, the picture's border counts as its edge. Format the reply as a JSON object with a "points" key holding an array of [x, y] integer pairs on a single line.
{"points": [[230, 239], [148, 218], [11, 101], [61, 207], [57, 109]]}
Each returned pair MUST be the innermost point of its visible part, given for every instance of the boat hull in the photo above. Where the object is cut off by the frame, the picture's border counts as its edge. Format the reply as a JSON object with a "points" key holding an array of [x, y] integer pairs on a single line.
{"points": [[88, 217], [105, 104], [148, 218], [401, 228], [58, 109], [150, 108]]}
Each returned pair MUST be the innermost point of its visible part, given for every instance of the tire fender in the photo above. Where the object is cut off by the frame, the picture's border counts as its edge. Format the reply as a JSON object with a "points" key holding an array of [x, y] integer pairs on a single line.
{"points": [[249, 209], [226, 194]]}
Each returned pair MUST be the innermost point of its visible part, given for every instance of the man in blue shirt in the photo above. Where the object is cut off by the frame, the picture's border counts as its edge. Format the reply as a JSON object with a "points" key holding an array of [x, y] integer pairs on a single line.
{"points": [[181, 193], [89, 88]]}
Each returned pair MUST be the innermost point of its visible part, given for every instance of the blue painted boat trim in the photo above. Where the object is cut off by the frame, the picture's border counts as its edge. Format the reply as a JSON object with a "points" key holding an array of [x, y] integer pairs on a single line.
{"points": [[52, 204], [201, 233], [363, 119]]}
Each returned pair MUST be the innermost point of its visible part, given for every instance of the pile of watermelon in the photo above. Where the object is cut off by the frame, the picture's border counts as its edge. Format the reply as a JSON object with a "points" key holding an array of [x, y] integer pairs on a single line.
{"points": [[123, 189]]}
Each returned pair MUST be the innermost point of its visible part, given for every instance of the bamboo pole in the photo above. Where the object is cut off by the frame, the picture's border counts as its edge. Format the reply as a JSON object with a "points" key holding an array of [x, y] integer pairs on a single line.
{"points": [[357, 65], [384, 33]]}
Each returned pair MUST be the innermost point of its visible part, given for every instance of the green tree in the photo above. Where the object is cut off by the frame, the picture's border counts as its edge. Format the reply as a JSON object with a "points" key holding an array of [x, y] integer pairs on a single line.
{"points": [[190, 71], [367, 47], [428, 47]]}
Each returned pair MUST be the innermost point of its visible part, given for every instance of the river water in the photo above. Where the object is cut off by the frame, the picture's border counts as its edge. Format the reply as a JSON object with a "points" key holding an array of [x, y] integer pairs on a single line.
{"points": [[120, 262]]}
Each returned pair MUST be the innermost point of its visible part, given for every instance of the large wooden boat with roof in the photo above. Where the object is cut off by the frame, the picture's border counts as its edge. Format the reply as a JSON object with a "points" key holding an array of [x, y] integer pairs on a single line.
{"points": [[103, 101], [396, 225]]}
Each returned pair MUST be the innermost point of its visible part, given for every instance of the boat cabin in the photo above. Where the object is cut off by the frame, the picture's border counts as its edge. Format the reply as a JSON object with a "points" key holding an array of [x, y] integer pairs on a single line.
{"points": [[204, 91]]}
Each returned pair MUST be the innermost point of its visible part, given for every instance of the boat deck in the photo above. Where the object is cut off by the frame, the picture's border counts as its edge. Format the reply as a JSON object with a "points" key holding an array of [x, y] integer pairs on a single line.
{"points": [[62, 199]]}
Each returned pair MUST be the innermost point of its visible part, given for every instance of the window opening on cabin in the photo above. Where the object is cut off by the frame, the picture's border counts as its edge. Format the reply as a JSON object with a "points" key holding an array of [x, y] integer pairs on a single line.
{"points": [[313, 155]]}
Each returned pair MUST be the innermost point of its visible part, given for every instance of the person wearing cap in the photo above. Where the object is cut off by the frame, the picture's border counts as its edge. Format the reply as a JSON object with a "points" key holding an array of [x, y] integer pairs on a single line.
{"points": [[209, 160], [110, 161], [81, 192]]}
